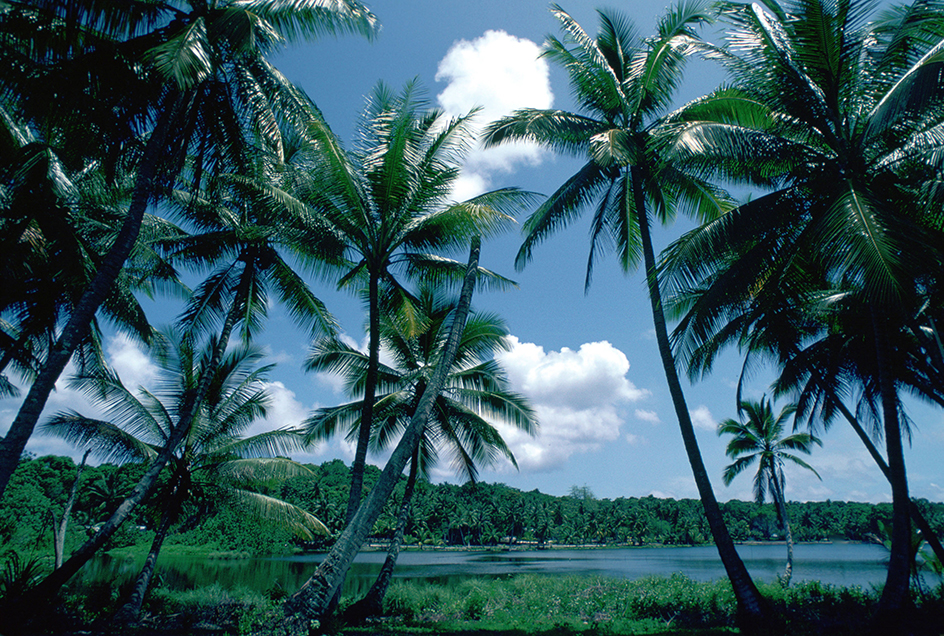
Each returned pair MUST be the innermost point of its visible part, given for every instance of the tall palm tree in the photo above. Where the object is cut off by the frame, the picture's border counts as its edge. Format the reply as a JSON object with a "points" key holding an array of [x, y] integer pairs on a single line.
{"points": [[841, 118], [389, 201], [199, 85], [215, 460], [623, 85], [476, 392], [758, 438]]}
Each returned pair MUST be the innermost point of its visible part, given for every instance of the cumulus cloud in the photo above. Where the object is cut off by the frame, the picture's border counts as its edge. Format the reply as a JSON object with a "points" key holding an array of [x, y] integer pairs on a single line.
{"points": [[703, 419], [497, 73], [579, 397], [284, 410], [132, 362]]}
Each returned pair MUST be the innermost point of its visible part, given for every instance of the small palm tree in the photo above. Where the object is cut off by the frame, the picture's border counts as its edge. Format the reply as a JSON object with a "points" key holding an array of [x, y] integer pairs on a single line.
{"points": [[389, 201], [759, 439], [476, 391], [214, 461]]}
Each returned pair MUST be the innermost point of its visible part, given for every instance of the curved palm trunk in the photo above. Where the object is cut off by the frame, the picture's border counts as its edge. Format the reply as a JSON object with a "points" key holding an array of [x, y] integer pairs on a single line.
{"points": [[781, 502], [367, 411], [372, 603], [11, 447], [895, 593], [48, 587], [927, 533], [751, 606], [59, 530], [130, 611], [312, 600]]}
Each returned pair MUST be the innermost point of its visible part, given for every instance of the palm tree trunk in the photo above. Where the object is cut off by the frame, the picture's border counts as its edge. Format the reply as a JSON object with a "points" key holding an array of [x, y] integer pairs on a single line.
{"points": [[372, 603], [312, 600], [59, 532], [751, 606], [48, 587], [130, 611], [367, 411], [781, 501], [11, 447], [927, 532], [895, 593]]}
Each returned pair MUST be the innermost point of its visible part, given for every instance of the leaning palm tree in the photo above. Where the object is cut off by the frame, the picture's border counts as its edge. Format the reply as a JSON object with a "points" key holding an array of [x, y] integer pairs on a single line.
{"points": [[476, 393], [389, 201], [758, 438], [623, 84], [314, 599], [841, 118], [215, 460], [193, 76]]}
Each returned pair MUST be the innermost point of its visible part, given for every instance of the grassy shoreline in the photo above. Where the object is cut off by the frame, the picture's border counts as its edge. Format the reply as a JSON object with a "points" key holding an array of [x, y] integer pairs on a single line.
{"points": [[521, 605]]}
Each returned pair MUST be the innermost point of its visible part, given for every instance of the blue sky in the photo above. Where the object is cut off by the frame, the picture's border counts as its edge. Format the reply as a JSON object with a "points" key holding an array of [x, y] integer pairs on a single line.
{"points": [[588, 361]]}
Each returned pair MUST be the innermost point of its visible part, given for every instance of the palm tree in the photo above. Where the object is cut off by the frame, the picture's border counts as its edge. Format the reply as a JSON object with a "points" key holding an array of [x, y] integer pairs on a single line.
{"points": [[56, 225], [759, 439], [203, 71], [476, 391], [841, 118], [215, 460], [313, 599], [806, 330], [624, 84], [388, 200]]}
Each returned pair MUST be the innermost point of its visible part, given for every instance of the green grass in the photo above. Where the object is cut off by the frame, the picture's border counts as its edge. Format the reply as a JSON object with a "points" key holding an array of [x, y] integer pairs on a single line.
{"points": [[532, 605], [524, 605], [177, 550]]}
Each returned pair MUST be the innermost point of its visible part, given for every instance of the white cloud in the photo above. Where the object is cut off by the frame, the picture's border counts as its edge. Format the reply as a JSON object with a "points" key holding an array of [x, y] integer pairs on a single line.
{"points": [[578, 396], [647, 416], [132, 362], [498, 73], [703, 419], [284, 410]]}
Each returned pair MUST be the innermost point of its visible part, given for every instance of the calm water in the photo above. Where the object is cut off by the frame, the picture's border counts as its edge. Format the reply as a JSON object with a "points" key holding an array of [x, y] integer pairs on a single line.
{"points": [[836, 563]]}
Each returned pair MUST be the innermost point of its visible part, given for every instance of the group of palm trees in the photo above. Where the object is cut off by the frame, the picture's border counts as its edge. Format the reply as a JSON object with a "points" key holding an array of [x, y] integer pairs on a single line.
{"points": [[832, 273]]}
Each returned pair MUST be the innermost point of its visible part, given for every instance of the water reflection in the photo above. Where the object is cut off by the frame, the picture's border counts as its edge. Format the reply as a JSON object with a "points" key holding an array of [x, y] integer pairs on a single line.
{"points": [[840, 564]]}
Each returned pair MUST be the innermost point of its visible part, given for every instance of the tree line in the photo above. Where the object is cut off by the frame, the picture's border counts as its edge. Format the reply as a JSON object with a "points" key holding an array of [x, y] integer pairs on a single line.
{"points": [[148, 139], [472, 514]]}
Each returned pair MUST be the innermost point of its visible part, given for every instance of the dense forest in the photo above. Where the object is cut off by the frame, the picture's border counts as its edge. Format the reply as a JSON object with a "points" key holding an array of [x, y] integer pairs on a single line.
{"points": [[472, 514]]}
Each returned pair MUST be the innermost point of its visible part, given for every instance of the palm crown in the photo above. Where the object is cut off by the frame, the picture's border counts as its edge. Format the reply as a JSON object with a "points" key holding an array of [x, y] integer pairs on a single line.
{"points": [[758, 439], [476, 390]]}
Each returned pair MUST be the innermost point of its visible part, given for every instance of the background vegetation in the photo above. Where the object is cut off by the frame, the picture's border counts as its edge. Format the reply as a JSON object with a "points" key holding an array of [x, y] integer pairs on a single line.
{"points": [[442, 514]]}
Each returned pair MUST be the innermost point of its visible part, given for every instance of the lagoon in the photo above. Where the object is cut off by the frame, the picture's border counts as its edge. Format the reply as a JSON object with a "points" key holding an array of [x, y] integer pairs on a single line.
{"points": [[843, 564]]}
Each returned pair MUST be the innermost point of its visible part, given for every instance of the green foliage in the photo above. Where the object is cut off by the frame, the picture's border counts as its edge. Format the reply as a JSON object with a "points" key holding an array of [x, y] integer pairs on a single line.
{"points": [[236, 611], [442, 514], [18, 573], [534, 603]]}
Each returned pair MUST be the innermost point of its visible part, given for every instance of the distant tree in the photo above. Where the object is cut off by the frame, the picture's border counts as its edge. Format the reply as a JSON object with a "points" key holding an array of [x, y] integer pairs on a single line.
{"points": [[759, 439]]}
